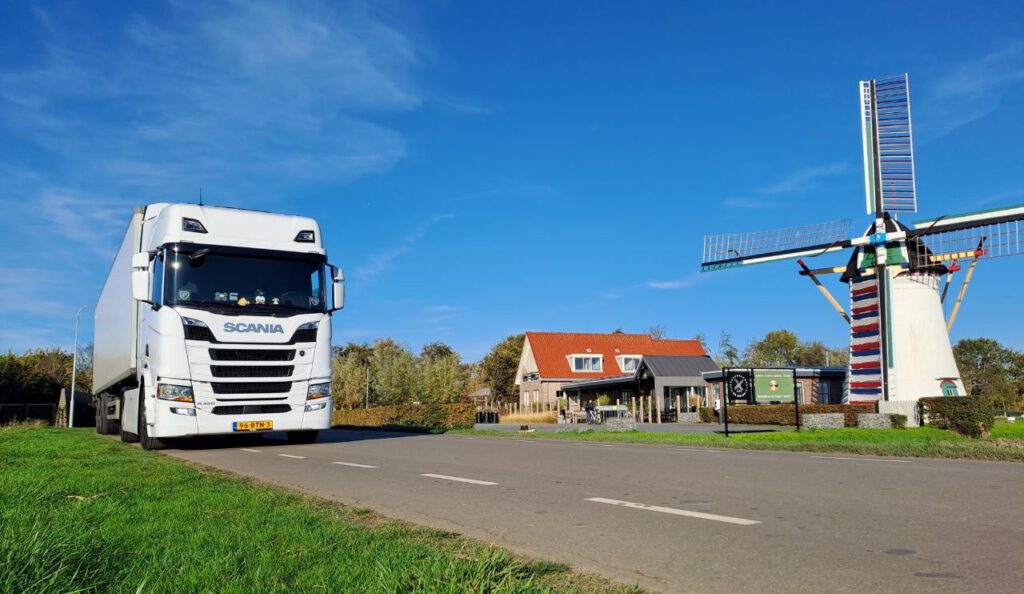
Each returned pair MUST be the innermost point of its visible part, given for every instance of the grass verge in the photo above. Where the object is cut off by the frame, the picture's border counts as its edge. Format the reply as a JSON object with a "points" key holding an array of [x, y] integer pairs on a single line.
{"points": [[79, 513], [1006, 442]]}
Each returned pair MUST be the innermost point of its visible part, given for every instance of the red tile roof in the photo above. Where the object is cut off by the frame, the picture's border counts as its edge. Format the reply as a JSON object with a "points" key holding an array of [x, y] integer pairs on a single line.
{"points": [[550, 350]]}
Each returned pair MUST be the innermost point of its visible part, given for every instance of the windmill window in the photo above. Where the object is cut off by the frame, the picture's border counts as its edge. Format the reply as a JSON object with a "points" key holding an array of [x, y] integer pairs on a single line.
{"points": [[949, 388]]}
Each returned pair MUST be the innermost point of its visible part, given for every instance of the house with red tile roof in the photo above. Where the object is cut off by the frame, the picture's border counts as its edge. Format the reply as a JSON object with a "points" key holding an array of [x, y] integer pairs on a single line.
{"points": [[551, 360]]}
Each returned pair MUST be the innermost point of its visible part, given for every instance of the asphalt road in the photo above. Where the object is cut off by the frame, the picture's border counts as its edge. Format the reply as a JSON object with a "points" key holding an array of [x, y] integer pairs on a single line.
{"points": [[676, 519]]}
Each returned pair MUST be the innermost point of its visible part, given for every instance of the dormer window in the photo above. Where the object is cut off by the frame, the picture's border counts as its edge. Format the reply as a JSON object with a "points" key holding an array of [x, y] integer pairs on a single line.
{"points": [[628, 363], [585, 363]]}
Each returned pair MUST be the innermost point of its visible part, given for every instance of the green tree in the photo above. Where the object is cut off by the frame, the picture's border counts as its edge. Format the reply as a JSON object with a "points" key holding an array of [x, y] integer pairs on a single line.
{"points": [[500, 365], [989, 369], [779, 348], [442, 379], [436, 350], [394, 375], [348, 381]]}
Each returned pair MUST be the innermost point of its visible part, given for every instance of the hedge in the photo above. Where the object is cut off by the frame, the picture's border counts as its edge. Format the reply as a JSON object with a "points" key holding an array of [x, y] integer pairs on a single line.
{"points": [[968, 415], [783, 414], [420, 417]]}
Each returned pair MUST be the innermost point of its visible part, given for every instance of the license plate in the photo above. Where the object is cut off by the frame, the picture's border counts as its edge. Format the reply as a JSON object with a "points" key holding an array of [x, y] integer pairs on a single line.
{"points": [[252, 425]]}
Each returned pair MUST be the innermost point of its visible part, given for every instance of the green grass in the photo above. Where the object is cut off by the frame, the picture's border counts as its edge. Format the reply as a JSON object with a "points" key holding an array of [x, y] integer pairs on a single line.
{"points": [[80, 513], [1006, 443]]}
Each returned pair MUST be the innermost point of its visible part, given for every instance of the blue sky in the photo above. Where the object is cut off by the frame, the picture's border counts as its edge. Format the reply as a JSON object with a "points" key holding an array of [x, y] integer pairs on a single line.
{"points": [[487, 168]]}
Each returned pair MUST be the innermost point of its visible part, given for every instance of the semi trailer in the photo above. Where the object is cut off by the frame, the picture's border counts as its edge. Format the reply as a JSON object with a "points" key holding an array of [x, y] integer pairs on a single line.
{"points": [[212, 321]]}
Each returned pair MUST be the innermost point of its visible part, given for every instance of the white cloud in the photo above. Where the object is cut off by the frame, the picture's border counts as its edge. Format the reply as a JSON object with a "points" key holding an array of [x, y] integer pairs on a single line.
{"points": [[382, 261], [750, 204], [805, 178], [971, 90], [681, 283]]}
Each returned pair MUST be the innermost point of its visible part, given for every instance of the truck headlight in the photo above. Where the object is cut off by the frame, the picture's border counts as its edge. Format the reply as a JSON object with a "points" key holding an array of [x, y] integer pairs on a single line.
{"points": [[315, 406], [309, 326], [318, 391], [173, 392], [193, 322]]}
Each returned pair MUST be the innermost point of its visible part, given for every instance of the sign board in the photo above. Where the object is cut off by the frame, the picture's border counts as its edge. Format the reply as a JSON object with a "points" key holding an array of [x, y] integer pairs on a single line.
{"points": [[774, 385], [738, 386]]}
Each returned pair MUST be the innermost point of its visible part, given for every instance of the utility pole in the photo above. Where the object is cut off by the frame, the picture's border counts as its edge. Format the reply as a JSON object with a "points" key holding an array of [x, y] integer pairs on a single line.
{"points": [[74, 369], [367, 387]]}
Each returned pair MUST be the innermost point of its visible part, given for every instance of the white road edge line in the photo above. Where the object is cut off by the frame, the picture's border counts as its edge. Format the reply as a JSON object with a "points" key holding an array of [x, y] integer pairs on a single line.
{"points": [[694, 450], [459, 479], [676, 512], [860, 459], [292, 456], [354, 465], [249, 450]]}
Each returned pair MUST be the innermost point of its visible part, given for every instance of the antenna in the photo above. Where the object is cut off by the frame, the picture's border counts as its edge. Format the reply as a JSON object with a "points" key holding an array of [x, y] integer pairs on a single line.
{"points": [[200, 196]]}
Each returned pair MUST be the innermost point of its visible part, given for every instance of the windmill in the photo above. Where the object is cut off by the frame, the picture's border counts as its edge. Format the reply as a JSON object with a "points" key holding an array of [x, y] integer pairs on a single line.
{"points": [[899, 335]]}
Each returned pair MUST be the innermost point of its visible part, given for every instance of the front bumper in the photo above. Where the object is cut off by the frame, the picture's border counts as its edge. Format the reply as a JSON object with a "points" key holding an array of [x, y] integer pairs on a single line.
{"points": [[170, 424]]}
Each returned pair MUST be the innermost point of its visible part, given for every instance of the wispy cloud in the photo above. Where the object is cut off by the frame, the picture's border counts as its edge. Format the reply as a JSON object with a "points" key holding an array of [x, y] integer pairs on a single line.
{"points": [[381, 262], [668, 285], [971, 90], [805, 178], [750, 203], [234, 92], [436, 314]]}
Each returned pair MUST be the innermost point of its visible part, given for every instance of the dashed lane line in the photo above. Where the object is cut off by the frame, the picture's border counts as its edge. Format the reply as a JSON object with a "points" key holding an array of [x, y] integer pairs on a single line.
{"points": [[676, 512], [292, 456], [250, 450], [354, 465], [859, 459], [459, 479]]}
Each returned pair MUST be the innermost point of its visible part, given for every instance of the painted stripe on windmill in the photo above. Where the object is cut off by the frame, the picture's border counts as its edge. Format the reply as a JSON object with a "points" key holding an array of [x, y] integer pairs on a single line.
{"points": [[757, 247], [887, 138]]}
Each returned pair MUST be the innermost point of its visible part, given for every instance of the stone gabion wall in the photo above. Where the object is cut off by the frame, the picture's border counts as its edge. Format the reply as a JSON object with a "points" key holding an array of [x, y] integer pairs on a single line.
{"points": [[690, 418], [823, 421], [874, 421]]}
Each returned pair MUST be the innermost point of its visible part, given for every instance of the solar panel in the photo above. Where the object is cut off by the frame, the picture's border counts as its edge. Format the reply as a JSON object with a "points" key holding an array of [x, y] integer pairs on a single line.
{"points": [[735, 249], [888, 144]]}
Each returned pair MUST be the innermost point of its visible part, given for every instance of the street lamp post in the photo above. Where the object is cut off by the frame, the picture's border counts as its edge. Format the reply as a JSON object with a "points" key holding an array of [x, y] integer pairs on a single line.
{"points": [[74, 368]]}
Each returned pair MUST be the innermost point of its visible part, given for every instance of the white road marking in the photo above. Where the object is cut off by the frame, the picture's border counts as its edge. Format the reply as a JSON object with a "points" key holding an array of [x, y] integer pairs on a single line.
{"points": [[459, 479], [250, 450], [354, 465], [292, 456], [694, 450], [860, 459], [676, 512]]}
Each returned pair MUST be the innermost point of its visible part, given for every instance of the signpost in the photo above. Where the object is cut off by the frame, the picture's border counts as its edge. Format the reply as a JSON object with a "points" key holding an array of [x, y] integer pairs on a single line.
{"points": [[738, 386], [759, 386]]}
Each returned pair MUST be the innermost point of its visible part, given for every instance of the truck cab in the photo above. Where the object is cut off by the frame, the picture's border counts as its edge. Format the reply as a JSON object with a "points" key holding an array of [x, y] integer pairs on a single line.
{"points": [[227, 327]]}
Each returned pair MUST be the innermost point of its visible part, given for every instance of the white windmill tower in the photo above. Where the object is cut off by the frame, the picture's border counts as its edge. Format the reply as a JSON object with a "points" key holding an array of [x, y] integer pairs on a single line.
{"points": [[899, 335]]}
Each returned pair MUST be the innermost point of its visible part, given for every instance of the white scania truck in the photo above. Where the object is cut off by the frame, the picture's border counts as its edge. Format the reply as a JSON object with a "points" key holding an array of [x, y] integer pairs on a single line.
{"points": [[213, 321]]}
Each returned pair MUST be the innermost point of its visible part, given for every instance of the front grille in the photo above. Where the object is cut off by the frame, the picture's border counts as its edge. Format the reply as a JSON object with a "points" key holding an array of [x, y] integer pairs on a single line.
{"points": [[251, 355], [251, 409], [307, 335], [251, 370], [199, 333], [251, 387]]}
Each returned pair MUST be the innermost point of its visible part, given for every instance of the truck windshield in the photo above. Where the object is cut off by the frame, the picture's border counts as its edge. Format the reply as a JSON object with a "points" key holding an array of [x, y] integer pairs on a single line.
{"points": [[205, 278]]}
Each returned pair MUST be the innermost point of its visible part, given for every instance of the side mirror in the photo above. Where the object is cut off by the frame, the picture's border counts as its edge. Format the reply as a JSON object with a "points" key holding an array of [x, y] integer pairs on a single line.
{"points": [[140, 277], [338, 278]]}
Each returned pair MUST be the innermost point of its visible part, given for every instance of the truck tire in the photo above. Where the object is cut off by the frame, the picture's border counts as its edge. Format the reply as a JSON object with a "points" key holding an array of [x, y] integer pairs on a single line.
{"points": [[148, 443], [302, 436], [103, 424]]}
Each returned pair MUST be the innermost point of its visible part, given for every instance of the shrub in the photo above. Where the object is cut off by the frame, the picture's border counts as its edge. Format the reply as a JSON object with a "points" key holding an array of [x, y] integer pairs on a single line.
{"points": [[784, 414], [898, 421], [541, 418], [707, 414], [423, 417], [968, 415], [604, 400]]}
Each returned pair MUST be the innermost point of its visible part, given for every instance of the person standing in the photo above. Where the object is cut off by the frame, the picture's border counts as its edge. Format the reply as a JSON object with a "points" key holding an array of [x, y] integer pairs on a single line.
{"points": [[589, 407], [718, 410]]}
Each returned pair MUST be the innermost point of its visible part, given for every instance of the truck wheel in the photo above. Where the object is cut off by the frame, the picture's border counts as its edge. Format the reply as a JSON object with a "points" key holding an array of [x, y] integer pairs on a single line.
{"points": [[302, 436], [102, 422], [148, 443]]}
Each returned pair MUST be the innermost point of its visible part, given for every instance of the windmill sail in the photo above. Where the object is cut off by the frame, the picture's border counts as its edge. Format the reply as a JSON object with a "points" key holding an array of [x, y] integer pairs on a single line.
{"points": [[888, 145], [741, 249], [996, 233]]}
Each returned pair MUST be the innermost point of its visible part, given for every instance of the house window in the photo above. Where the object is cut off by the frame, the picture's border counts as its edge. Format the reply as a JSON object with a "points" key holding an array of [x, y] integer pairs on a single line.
{"points": [[798, 389], [628, 363], [585, 363]]}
